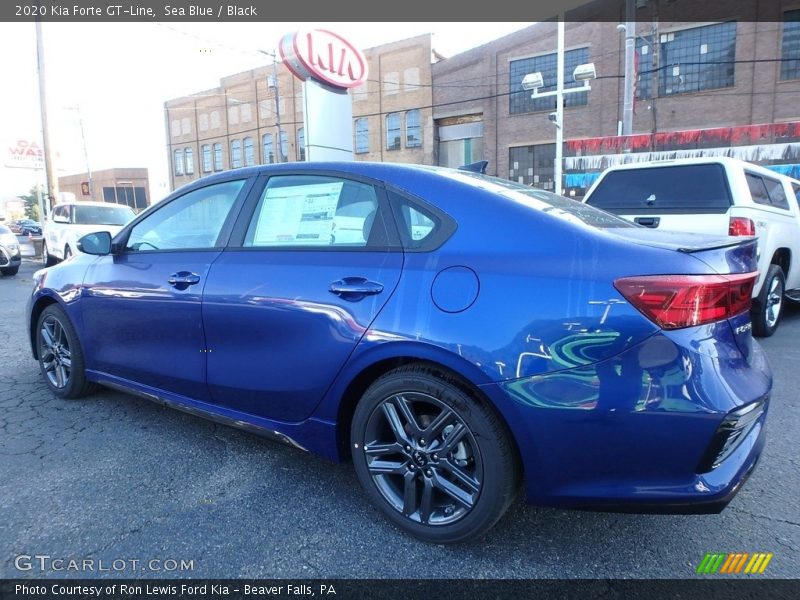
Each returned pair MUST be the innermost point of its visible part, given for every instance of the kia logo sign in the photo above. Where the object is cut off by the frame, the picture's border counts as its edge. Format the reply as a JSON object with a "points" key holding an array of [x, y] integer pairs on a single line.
{"points": [[325, 56]]}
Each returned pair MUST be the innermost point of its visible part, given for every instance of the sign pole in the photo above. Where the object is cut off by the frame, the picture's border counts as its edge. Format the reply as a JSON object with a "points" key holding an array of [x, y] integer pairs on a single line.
{"points": [[52, 182]]}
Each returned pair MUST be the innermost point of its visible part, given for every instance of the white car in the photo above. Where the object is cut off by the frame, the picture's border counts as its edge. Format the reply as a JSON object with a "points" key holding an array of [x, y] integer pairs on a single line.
{"points": [[717, 195], [70, 221]]}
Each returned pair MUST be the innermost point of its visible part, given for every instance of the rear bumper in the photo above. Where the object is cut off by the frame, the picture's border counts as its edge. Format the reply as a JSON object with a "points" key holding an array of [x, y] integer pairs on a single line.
{"points": [[631, 433]]}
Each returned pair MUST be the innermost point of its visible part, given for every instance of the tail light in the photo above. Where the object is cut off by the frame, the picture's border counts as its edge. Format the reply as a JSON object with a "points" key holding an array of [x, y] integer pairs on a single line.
{"points": [[676, 301], [741, 226], [730, 434]]}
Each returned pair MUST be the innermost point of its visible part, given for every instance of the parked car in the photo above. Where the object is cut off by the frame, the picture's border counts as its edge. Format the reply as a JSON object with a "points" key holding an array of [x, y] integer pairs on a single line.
{"points": [[10, 258], [717, 196], [69, 221], [14, 227], [28, 227], [475, 332]]}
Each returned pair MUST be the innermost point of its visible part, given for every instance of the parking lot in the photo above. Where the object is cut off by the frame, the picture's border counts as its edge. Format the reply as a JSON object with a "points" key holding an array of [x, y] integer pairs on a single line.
{"points": [[117, 479]]}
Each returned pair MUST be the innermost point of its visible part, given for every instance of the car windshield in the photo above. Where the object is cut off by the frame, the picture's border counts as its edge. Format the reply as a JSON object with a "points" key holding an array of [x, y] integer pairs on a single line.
{"points": [[103, 215], [559, 206]]}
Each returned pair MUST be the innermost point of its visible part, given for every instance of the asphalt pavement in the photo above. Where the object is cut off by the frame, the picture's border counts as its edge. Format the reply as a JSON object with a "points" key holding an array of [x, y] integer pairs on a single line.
{"points": [[116, 478]]}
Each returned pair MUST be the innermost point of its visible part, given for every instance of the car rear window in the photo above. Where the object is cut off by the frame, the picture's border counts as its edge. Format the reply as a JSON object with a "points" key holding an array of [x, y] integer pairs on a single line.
{"points": [[103, 215], [698, 188]]}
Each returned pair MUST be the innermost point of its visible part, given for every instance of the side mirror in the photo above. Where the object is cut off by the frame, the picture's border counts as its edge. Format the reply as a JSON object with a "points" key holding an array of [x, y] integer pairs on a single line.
{"points": [[98, 243], [60, 219]]}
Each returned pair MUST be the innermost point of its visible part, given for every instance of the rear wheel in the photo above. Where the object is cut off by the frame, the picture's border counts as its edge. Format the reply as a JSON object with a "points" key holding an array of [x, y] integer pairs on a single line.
{"points": [[767, 307], [9, 270], [60, 355], [47, 260], [434, 459]]}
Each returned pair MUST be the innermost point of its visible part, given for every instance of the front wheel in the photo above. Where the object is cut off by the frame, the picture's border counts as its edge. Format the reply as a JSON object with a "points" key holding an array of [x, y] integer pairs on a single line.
{"points": [[435, 460], [766, 311], [60, 355], [7, 271], [47, 259]]}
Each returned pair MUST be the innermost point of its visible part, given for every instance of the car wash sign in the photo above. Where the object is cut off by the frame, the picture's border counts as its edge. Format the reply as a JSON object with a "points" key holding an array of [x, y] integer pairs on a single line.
{"points": [[24, 154], [324, 56]]}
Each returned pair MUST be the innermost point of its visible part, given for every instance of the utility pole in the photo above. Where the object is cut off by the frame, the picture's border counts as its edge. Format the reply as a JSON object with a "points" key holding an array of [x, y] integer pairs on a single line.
{"points": [[279, 145], [559, 162], [49, 166], [85, 153], [630, 75]]}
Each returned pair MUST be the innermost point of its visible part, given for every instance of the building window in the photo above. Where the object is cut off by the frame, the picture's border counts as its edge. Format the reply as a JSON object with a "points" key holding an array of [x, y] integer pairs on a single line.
{"points": [[533, 165], [284, 147], [189, 159], [214, 119], [206, 152], [301, 144], [393, 131], [790, 45], [362, 135], [690, 60], [177, 162], [218, 157], [460, 143], [249, 152], [519, 101], [413, 129], [236, 154], [267, 152]]}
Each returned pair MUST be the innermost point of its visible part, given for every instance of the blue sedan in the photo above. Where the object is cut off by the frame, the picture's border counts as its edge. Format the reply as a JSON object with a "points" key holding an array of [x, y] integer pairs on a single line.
{"points": [[455, 335]]}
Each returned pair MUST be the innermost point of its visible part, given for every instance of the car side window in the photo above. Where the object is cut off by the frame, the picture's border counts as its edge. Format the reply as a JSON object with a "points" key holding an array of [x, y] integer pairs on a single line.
{"points": [[776, 194], [193, 221], [796, 189], [422, 228], [316, 211], [758, 190]]}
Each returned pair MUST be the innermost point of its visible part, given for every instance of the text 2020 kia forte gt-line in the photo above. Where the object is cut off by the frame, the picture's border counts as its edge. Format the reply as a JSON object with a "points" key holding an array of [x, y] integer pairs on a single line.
{"points": [[454, 334]]}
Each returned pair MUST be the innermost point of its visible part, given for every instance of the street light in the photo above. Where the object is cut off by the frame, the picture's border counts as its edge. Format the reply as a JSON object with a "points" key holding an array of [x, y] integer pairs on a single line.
{"points": [[533, 81]]}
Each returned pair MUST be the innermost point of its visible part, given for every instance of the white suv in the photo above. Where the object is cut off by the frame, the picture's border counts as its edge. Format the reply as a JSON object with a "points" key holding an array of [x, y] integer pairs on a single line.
{"points": [[717, 195], [70, 221]]}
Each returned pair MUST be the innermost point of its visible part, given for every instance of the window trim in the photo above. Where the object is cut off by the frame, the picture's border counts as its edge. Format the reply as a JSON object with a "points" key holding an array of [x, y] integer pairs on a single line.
{"points": [[444, 228]]}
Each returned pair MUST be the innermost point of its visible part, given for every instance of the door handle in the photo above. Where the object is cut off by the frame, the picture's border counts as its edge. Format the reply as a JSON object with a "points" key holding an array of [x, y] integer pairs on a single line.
{"points": [[355, 288], [651, 222], [183, 279]]}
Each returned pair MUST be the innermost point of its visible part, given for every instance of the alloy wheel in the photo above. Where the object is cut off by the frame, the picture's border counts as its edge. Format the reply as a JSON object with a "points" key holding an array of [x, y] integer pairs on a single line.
{"points": [[423, 458], [56, 354], [774, 301]]}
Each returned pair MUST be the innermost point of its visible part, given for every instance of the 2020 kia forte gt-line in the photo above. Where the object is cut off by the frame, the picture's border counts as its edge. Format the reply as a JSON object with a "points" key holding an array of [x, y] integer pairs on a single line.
{"points": [[454, 334]]}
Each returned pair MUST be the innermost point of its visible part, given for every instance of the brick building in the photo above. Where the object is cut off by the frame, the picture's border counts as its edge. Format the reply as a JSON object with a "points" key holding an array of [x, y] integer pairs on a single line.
{"points": [[235, 124], [121, 186], [730, 86]]}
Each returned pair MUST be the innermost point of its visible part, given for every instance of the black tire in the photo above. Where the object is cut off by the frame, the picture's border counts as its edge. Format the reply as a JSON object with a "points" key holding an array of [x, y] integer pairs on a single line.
{"points": [[8, 271], [768, 306], [60, 355], [448, 488], [47, 260]]}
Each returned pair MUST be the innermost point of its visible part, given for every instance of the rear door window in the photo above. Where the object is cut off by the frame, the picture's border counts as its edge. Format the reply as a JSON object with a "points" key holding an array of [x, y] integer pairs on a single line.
{"points": [[671, 189]]}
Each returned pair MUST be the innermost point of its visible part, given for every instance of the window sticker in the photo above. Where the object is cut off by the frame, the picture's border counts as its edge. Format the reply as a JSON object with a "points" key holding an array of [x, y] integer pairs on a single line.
{"points": [[298, 215]]}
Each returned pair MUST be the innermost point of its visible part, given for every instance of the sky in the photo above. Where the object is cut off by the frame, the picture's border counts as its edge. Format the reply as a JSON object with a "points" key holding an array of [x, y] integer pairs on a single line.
{"points": [[119, 74]]}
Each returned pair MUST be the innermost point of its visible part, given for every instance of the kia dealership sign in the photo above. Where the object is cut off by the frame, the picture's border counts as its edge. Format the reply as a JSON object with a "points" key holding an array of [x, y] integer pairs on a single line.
{"points": [[324, 56], [23, 154]]}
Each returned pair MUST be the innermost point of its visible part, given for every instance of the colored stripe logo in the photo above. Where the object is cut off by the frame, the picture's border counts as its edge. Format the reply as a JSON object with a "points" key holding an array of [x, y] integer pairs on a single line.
{"points": [[734, 563]]}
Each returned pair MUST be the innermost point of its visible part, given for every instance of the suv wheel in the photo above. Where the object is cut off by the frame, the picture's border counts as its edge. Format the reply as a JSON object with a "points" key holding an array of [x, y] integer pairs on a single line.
{"points": [[435, 460], [47, 260], [766, 311]]}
